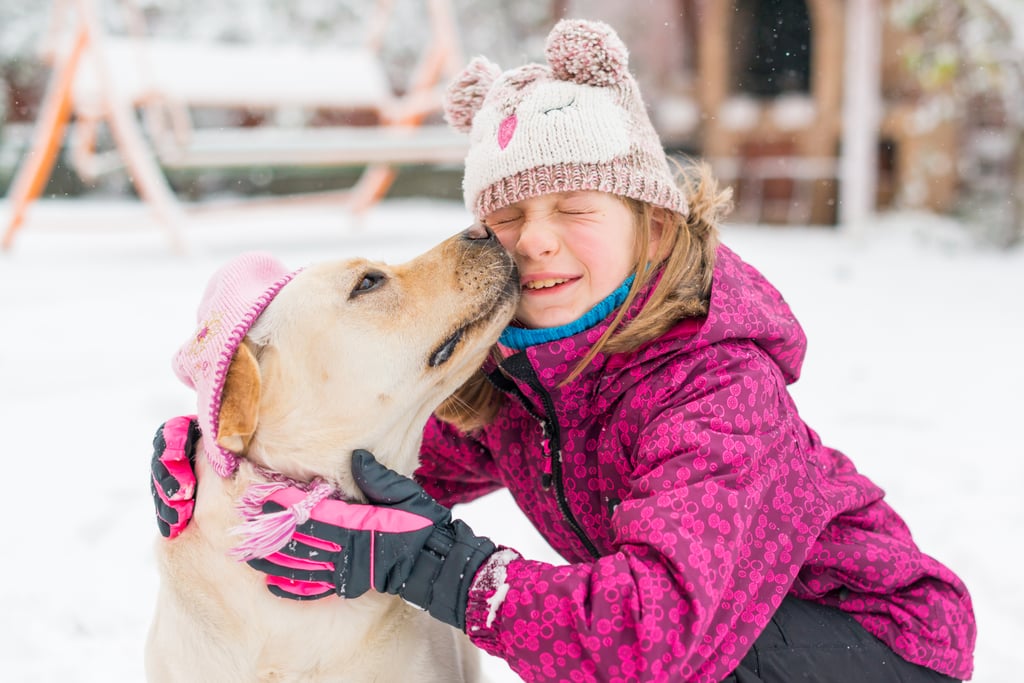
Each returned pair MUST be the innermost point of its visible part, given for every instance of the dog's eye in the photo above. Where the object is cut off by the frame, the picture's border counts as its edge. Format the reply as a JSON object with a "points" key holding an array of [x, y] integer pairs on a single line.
{"points": [[370, 281]]}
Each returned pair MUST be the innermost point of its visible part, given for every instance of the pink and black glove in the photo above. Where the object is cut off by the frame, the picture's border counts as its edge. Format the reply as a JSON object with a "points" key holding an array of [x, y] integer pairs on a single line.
{"points": [[403, 543], [173, 482]]}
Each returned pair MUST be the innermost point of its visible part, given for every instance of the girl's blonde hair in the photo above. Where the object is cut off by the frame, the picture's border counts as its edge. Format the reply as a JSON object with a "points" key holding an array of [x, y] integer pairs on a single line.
{"points": [[686, 256]]}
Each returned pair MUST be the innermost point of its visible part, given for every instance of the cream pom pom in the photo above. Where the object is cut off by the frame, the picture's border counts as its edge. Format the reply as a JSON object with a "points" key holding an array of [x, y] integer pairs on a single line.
{"points": [[587, 52]]}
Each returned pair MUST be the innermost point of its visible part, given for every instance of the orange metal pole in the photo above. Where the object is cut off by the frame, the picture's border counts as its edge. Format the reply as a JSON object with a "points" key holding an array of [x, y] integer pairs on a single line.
{"points": [[49, 132]]}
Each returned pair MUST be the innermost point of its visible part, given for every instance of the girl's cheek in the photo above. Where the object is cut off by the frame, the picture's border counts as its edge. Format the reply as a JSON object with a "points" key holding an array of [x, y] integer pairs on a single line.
{"points": [[508, 239]]}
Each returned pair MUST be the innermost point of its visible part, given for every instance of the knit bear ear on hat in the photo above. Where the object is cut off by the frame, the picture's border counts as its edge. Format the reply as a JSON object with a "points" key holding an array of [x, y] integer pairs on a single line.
{"points": [[466, 93]]}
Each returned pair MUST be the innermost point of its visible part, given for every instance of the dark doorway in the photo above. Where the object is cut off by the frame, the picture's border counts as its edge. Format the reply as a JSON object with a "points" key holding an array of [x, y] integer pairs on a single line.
{"points": [[772, 47]]}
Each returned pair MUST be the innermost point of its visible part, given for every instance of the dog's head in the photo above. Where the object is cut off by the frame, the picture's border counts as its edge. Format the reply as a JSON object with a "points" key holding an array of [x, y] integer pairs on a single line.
{"points": [[357, 354]]}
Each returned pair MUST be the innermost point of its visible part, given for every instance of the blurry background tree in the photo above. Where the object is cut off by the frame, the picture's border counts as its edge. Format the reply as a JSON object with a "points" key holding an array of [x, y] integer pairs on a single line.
{"points": [[21, 28], [960, 58]]}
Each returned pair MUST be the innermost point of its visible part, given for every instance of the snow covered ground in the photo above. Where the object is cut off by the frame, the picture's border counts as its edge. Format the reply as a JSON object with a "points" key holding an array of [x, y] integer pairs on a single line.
{"points": [[915, 369]]}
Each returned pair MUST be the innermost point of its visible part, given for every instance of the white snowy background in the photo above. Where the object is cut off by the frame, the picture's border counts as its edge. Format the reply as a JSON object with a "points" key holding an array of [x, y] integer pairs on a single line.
{"points": [[915, 369]]}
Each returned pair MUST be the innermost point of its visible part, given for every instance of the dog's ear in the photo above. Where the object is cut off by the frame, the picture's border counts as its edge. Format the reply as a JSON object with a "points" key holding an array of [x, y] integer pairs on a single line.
{"points": [[239, 402]]}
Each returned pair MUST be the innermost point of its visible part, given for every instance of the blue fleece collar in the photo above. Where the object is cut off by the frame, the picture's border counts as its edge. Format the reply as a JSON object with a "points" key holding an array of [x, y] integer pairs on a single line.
{"points": [[519, 338]]}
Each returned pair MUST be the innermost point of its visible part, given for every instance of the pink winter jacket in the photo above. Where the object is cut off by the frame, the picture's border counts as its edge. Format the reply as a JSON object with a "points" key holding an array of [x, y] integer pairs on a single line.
{"points": [[688, 498]]}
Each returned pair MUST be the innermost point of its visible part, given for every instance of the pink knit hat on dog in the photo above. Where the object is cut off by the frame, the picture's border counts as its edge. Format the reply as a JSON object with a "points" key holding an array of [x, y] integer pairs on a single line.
{"points": [[234, 298], [578, 123]]}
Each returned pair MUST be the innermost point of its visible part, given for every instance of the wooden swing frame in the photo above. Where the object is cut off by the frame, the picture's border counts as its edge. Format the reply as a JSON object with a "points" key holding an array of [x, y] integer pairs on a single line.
{"points": [[143, 89]]}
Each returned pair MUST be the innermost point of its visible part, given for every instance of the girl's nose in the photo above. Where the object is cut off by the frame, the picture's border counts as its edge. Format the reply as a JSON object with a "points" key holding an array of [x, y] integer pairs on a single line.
{"points": [[536, 240]]}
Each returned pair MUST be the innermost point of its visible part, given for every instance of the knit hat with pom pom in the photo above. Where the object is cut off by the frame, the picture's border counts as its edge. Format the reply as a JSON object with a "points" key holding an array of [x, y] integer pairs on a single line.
{"points": [[578, 123], [234, 297]]}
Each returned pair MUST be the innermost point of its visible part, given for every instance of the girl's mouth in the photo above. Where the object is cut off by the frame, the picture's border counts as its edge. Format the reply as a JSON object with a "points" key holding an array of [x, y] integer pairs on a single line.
{"points": [[549, 283]]}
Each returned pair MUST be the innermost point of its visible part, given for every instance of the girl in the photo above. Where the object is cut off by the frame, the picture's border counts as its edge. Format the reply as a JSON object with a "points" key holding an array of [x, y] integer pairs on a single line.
{"points": [[637, 411]]}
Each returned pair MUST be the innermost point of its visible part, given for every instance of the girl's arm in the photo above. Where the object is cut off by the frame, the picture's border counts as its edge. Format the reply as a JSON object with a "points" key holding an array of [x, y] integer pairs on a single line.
{"points": [[454, 467]]}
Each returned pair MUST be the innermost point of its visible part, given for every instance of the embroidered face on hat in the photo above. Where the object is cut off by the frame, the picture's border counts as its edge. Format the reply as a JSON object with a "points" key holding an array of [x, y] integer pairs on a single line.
{"points": [[235, 296], [577, 123]]}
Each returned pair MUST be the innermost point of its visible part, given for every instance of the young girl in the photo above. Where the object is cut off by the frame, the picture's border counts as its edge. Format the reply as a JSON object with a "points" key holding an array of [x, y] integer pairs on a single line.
{"points": [[638, 413]]}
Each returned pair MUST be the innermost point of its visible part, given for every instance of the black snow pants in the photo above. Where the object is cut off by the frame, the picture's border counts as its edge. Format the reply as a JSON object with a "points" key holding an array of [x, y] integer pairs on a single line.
{"points": [[808, 642]]}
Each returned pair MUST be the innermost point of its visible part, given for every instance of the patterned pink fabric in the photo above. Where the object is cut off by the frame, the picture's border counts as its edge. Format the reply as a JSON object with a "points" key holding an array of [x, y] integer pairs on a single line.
{"points": [[708, 499]]}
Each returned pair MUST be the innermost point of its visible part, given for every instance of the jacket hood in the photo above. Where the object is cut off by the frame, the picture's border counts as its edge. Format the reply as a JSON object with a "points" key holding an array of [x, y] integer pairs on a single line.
{"points": [[744, 305]]}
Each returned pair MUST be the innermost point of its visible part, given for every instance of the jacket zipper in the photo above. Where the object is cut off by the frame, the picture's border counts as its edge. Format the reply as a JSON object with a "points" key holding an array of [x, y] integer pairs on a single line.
{"points": [[519, 367]]}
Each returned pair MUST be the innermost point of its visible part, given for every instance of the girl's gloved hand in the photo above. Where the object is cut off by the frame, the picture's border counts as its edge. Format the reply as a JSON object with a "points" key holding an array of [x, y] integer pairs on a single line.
{"points": [[403, 542], [173, 482]]}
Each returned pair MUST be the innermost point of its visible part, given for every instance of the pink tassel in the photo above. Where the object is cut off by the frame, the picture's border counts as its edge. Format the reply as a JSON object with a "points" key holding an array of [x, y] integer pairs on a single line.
{"points": [[265, 534], [250, 505]]}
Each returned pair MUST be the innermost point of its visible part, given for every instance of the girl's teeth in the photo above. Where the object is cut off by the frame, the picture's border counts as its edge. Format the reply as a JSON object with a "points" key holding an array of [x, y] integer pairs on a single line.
{"points": [[543, 284]]}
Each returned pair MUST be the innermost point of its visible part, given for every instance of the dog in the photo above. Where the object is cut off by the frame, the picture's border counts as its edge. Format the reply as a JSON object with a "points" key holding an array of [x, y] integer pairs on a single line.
{"points": [[351, 354]]}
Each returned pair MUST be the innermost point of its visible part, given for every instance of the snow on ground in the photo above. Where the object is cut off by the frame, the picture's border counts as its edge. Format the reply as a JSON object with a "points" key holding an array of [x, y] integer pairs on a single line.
{"points": [[914, 369]]}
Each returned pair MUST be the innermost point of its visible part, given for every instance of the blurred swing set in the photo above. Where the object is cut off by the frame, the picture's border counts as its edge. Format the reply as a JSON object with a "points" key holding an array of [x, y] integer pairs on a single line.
{"points": [[144, 89]]}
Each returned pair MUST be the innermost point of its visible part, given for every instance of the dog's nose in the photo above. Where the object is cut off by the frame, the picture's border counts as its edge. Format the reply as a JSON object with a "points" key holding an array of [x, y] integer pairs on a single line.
{"points": [[478, 231]]}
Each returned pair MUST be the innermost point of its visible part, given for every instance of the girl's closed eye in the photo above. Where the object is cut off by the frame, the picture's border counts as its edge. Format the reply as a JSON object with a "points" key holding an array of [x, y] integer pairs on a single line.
{"points": [[577, 209], [502, 220], [577, 204]]}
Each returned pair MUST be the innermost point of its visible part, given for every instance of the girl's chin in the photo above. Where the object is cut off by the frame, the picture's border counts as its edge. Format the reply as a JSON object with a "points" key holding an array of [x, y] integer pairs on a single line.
{"points": [[546, 320]]}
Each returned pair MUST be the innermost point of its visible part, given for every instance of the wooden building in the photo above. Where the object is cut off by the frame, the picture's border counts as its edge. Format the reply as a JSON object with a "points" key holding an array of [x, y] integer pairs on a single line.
{"points": [[821, 111]]}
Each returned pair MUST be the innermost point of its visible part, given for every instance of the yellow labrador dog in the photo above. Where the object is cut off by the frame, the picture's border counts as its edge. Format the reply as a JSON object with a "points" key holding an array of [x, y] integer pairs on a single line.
{"points": [[346, 355]]}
